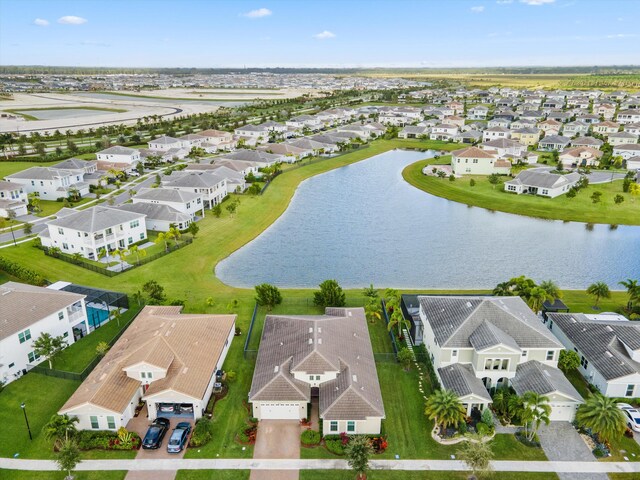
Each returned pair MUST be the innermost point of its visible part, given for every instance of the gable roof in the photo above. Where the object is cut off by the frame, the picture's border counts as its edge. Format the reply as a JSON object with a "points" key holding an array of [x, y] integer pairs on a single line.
{"points": [[94, 218], [41, 173], [472, 152], [454, 319], [533, 376], [543, 179], [157, 211], [118, 150], [487, 335], [460, 379]]}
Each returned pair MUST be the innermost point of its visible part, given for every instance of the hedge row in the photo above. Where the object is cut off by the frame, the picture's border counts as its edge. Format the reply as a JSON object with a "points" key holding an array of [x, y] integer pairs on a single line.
{"points": [[21, 273]]}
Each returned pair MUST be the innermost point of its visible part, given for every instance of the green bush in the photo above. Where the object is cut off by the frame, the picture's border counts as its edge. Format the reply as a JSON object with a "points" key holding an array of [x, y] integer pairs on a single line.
{"points": [[242, 435], [107, 440], [21, 273], [482, 428], [310, 437], [462, 428], [201, 433], [334, 446]]}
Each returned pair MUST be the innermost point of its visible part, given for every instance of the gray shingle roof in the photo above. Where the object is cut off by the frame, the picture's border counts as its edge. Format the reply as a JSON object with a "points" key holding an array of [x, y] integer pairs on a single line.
{"points": [[454, 319], [544, 179], [94, 219], [533, 376], [487, 335], [600, 342], [166, 195], [460, 379], [41, 173], [118, 150], [156, 211], [337, 341], [195, 180]]}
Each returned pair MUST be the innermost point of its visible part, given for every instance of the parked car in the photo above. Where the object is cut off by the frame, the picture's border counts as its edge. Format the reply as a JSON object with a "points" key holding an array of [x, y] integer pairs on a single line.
{"points": [[155, 433], [167, 408], [632, 416], [178, 438], [186, 407]]}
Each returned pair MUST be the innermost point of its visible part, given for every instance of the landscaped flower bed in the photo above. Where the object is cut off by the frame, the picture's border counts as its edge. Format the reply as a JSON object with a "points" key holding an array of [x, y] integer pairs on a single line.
{"points": [[336, 444], [108, 440]]}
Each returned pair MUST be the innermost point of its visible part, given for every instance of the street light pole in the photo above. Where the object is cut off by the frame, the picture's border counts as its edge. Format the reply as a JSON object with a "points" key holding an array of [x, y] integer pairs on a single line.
{"points": [[24, 410]]}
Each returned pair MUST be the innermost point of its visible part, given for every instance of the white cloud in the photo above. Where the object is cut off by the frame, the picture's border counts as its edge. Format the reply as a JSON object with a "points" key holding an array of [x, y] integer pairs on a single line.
{"points": [[259, 13], [324, 35], [41, 22], [537, 2], [478, 9], [503, 2], [623, 35], [72, 20]]}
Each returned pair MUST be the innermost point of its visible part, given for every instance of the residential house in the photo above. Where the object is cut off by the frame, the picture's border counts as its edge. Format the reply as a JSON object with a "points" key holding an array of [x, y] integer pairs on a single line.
{"points": [[210, 185], [605, 128], [76, 165], [189, 203], [412, 131], [252, 134], [580, 157], [454, 120], [217, 140], [193, 140], [526, 136], [632, 128], [587, 142], [504, 147], [550, 127], [541, 182], [605, 110], [608, 346], [235, 176], [633, 163], [485, 342], [304, 121], [163, 357], [164, 143], [443, 132], [576, 128], [478, 112], [470, 136], [13, 198], [49, 183], [554, 142], [158, 217], [28, 312], [89, 231], [627, 151], [326, 356], [628, 116], [475, 161], [621, 138], [495, 133], [118, 157], [287, 152], [499, 123]]}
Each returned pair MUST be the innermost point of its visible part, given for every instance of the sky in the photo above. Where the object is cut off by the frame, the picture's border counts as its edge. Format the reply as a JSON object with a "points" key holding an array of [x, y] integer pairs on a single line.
{"points": [[312, 33]]}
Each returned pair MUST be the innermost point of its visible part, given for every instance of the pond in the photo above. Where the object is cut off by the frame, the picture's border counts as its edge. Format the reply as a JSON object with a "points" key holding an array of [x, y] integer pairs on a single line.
{"points": [[57, 113], [364, 224]]}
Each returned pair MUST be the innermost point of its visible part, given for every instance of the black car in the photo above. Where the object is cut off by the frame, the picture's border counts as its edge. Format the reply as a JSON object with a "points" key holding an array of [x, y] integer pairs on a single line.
{"points": [[155, 433]]}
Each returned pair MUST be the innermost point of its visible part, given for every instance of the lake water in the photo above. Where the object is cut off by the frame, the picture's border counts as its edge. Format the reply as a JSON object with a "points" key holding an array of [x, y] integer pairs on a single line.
{"points": [[56, 114], [364, 224], [167, 101]]}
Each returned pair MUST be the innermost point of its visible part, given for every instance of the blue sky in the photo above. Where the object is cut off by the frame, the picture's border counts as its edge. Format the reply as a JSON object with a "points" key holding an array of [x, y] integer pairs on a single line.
{"points": [[306, 33]]}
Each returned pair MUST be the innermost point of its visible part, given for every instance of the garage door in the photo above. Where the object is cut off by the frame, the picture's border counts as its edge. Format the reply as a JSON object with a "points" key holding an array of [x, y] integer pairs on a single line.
{"points": [[179, 410], [562, 412], [280, 411]]}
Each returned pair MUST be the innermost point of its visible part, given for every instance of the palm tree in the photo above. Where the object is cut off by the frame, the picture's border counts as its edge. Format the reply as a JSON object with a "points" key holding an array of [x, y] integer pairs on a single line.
{"points": [[551, 288], [162, 237], [503, 290], [122, 253], [539, 408], [515, 408], [174, 234], [139, 253], [445, 409], [60, 427], [501, 400], [537, 296], [397, 320], [102, 253], [599, 290], [633, 290], [373, 310], [602, 415]]}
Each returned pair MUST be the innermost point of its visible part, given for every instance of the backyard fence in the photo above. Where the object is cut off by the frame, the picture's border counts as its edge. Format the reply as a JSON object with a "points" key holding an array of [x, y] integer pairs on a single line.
{"points": [[81, 262], [385, 315], [250, 354]]}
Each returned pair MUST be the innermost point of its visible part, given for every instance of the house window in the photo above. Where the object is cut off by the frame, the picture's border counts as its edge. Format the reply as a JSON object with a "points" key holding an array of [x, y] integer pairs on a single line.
{"points": [[317, 377], [65, 334], [60, 315], [94, 422], [11, 365], [149, 375], [454, 353], [351, 426], [524, 353], [142, 236], [584, 362], [143, 374], [24, 336], [60, 231], [311, 377], [108, 231], [550, 354], [65, 246], [111, 422], [32, 357], [333, 426], [134, 224], [505, 364]]}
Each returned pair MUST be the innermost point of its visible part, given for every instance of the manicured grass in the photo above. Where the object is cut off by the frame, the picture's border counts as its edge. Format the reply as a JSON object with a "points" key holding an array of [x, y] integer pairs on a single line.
{"points": [[578, 382], [624, 476], [8, 168], [419, 475], [29, 475], [507, 447], [485, 195], [623, 447], [26, 116], [77, 356], [213, 474], [51, 207]]}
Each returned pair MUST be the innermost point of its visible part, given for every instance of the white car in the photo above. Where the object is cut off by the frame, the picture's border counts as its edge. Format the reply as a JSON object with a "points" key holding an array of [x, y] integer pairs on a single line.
{"points": [[632, 416]]}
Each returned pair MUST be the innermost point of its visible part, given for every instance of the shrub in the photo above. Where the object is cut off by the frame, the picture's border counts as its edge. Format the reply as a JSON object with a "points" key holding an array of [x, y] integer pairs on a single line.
{"points": [[482, 428], [522, 438], [242, 435], [108, 440], [487, 417], [462, 428], [334, 446], [472, 183], [201, 433], [21, 273], [310, 437]]}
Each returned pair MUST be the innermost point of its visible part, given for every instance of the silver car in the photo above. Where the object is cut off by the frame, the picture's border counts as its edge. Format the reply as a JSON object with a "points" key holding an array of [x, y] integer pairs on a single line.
{"points": [[179, 437]]}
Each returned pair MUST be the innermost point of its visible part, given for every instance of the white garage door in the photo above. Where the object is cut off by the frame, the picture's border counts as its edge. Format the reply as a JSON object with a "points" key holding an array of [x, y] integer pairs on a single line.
{"points": [[562, 412], [280, 411]]}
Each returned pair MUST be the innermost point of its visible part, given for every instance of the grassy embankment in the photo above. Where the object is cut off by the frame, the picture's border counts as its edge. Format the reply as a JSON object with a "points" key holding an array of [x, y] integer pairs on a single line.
{"points": [[20, 111], [483, 194]]}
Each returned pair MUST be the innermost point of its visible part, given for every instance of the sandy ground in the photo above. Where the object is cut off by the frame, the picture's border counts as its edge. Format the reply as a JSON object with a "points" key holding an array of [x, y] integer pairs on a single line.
{"points": [[225, 93]]}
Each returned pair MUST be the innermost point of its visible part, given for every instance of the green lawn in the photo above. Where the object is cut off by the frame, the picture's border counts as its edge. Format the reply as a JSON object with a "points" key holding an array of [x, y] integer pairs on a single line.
{"points": [[8, 168], [77, 356], [51, 207], [578, 382], [624, 447], [213, 475], [417, 475], [485, 195], [29, 475]]}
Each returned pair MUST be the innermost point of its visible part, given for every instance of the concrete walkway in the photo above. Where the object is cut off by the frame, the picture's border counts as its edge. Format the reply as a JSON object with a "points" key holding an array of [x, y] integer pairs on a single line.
{"points": [[321, 464], [561, 442]]}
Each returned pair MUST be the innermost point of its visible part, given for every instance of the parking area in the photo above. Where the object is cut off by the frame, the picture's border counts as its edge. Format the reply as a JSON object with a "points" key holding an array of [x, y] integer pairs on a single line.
{"points": [[561, 442], [141, 423], [277, 439]]}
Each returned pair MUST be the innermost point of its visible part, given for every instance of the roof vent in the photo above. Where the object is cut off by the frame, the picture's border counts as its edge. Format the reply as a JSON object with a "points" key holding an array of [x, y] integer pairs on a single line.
{"points": [[185, 370], [546, 372], [319, 341], [354, 378], [311, 341], [468, 304], [608, 328], [355, 334], [573, 320], [608, 354], [275, 369], [319, 329], [281, 344], [349, 313], [310, 329]]}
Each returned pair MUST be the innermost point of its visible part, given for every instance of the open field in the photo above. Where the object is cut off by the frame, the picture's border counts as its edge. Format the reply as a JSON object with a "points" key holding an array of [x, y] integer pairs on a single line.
{"points": [[485, 195]]}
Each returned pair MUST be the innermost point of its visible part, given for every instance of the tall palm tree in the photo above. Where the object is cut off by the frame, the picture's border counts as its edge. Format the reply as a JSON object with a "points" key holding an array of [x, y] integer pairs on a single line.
{"points": [[162, 237], [60, 427], [138, 253], [373, 310], [537, 296], [397, 320], [445, 409], [633, 290], [122, 253], [503, 290], [539, 408], [599, 290], [602, 415], [551, 288]]}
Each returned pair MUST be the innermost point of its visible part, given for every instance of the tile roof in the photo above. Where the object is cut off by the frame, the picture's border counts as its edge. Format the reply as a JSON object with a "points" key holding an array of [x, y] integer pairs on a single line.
{"points": [[543, 179], [338, 342], [472, 152], [22, 305], [460, 379], [533, 376], [156, 211], [190, 346]]}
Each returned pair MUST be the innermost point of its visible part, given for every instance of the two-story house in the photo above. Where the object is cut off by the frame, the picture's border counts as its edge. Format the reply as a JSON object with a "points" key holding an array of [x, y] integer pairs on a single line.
{"points": [[89, 231], [328, 357], [475, 161], [118, 156], [164, 358], [212, 186], [50, 183], [28, 312], [13, 198]]}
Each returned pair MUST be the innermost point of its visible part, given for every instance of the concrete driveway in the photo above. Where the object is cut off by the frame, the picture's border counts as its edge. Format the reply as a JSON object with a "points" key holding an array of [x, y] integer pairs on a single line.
{"points": [[277, 439], [604, 177], [561, 442]]}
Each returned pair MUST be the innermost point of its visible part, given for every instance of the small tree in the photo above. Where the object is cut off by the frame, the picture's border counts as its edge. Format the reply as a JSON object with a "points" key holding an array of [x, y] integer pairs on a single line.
{"points": [[370, 292], [217, 211], [154, 291], [476, 454], [48, 346], [618, 199], [268, 295], [193, 229], [60, 428], [27, 228], [102, 348], [405, 357], [232, 207], [359, 452], [596, 196], [568, 361], [571, 193], [373, 310], [330, 295], [68, 458], [472, 183], [494, 179], [445, 409], [599, 290]]}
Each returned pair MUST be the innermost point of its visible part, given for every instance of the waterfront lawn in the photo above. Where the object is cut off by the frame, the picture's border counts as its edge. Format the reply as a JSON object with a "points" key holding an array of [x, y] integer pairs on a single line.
{"points": [[485, 195], [78, 355], [51, 207], [8, 168]]}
